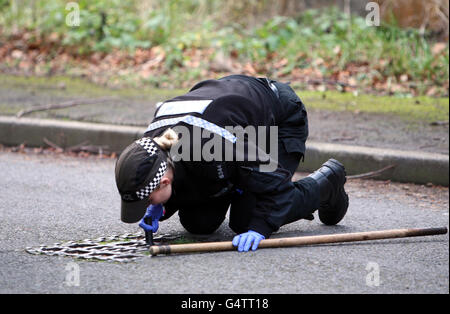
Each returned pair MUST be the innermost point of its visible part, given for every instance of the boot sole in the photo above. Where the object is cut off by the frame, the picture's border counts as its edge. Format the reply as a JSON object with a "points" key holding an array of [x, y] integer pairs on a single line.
{"points": [[342, 198], [324, 212]]}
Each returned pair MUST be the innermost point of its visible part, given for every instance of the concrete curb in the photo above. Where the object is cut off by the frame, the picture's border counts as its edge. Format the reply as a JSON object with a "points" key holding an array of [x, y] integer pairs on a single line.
{"points": [[15, 131], [411, 166]]}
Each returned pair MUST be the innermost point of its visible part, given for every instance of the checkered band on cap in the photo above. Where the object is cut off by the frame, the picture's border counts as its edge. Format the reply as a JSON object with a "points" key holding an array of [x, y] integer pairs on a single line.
{"points": [[148, 145], [151, 149], [145, 192]]}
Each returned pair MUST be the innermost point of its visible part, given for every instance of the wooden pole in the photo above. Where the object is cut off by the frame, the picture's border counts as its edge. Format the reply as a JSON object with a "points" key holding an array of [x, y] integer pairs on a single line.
{"points": [[298, 241]]}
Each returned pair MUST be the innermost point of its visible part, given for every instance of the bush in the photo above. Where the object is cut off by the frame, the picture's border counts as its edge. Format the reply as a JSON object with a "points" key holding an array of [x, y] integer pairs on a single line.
{"points": [[177, 26]]}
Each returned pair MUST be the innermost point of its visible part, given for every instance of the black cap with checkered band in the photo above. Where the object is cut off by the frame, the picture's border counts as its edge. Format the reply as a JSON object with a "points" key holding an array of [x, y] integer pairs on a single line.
{"points": [[139, 170]]}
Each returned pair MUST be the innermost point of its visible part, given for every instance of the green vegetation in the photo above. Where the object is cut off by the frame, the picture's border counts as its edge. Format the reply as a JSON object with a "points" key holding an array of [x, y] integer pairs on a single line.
{"points": [[327, 41], [422, 108], [65, 86]]}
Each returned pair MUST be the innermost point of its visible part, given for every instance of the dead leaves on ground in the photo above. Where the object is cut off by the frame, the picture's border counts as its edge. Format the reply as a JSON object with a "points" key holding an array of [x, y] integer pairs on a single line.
{"points": [[22, 55]]}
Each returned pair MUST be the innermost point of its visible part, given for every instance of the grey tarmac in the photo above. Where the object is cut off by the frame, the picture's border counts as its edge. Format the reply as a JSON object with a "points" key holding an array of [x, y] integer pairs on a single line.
{"points": [[46, 199]]}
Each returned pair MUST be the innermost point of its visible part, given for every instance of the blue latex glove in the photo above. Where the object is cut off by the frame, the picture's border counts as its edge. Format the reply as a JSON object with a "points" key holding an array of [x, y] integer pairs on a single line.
{"points": [[246, 240], [154, 212]]}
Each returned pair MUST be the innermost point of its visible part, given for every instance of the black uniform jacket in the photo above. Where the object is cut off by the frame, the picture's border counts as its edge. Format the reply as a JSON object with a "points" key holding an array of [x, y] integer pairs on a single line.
{"points": [[213, 105]]}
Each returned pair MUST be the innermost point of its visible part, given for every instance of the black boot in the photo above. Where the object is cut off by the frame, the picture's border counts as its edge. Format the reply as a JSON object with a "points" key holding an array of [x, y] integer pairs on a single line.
{"points": [[333, 199]]}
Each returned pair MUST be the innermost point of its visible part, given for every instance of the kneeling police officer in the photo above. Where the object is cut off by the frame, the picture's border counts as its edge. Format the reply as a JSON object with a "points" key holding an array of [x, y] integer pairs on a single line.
{"points": [[154, 182]]}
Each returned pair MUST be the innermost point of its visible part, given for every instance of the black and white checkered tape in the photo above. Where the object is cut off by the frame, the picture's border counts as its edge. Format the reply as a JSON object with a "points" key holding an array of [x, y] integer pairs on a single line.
{"points": [[148, 145], [151, 148]]}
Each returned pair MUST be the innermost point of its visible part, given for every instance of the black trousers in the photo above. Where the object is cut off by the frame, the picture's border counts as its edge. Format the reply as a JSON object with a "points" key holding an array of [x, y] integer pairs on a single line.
{"points": [[292, 124]]}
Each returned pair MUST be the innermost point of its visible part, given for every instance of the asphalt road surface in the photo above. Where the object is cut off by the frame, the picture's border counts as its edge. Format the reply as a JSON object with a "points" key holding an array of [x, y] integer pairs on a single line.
{"points": [[54, 198]]}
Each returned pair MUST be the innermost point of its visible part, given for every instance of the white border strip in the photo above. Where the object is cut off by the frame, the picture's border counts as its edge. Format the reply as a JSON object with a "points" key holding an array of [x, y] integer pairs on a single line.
{"points": [[199, 122], [182, 107]]}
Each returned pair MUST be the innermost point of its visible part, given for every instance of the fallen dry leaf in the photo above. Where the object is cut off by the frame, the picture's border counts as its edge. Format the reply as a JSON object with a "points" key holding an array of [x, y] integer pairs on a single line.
{"points": [[438, 48]]}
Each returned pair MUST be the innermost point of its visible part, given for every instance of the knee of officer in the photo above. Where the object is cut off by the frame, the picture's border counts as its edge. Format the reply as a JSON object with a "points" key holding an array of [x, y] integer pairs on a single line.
{"points": [[199, 224]]}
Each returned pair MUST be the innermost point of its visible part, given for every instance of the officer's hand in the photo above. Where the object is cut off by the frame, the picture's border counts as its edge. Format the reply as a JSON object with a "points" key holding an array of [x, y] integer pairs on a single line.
{"points": [[246, 240], [153, 214]]}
